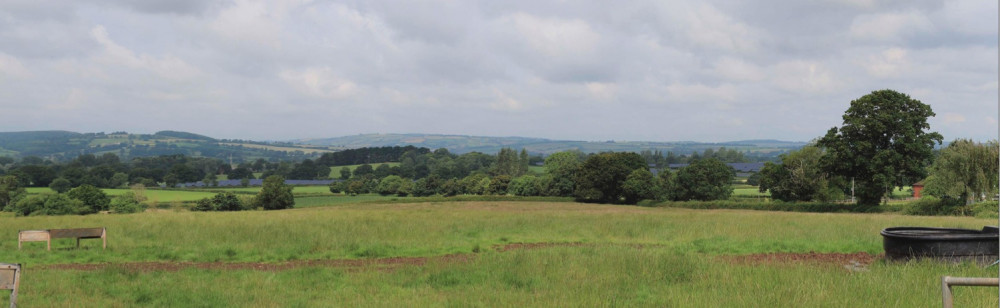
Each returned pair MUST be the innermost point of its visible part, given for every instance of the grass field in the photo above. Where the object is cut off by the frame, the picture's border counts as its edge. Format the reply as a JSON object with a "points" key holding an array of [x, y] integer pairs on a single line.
{"points": [[621, 256]]}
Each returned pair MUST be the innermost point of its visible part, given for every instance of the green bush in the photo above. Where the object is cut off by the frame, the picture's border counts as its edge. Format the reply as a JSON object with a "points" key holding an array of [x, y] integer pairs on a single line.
{"points": [[94, 199], [126, 203], [931, 205], [49, 204], [987, 209]]}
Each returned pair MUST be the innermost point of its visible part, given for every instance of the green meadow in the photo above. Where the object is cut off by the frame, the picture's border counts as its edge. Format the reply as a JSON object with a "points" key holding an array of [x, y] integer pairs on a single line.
{"points": [[593, 255]]}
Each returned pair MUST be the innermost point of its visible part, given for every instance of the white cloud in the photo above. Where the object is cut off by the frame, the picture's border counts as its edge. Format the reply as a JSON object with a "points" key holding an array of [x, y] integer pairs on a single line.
{"points": [[12, 68], [320, 83], [890, 63], [804, 77], [891, 26]]}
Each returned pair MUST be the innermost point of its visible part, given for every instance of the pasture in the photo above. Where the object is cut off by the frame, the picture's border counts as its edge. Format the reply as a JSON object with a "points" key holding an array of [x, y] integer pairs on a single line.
{"points": [[483, 253]]}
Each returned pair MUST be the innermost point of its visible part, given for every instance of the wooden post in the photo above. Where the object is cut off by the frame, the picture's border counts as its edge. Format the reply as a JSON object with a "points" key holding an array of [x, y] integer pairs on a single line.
{"points": [[10, 279], [104, 238]]}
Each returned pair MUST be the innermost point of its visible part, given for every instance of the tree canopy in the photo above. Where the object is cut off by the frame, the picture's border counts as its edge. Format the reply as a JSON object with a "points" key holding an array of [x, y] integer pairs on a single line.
{"points": [[601, 177], [965, 170], [884, 142]]}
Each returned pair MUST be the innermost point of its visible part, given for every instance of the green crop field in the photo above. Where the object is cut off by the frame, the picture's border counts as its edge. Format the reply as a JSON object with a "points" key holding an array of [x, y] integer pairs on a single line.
{"points": [[451, 254]]}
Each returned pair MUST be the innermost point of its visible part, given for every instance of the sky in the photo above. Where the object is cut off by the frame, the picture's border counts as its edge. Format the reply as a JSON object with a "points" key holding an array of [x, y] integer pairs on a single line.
{"points": [[696, 70]]}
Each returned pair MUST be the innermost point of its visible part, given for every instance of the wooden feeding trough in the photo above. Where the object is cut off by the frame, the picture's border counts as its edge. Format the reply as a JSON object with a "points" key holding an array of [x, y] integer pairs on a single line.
{"points": [[10, 278], [954, 245], [47, 236]]}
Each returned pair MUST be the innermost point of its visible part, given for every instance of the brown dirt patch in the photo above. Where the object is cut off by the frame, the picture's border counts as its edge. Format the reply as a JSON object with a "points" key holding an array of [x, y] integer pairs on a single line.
{"points": [[856, 258]]}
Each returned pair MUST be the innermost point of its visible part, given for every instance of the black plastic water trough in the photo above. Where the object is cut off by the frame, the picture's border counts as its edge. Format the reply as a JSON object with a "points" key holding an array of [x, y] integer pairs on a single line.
{"points": [[955, 245]]}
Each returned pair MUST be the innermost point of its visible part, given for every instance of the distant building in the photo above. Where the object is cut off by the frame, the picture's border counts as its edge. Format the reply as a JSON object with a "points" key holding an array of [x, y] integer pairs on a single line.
{"points": [[917, 188]]}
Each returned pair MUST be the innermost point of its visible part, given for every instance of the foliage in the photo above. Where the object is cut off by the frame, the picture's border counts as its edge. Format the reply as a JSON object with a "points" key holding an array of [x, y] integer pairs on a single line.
{"points": [[931, 205], [705, 179], [275, 195], [510, 164], [127, 202], [498, 185], [601, 176], [799, 177], [390, 185], [60, 185], [562, 167], [10, 190], [641, 185], [50, 204], [965, 170], [225, 201], [883, 143], [345, 173], [525, 185], [94, 199], [364, 170]]}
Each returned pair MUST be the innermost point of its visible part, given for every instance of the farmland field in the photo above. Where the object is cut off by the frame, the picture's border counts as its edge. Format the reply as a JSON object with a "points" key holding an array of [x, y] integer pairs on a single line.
{"points": [[482, 254]]}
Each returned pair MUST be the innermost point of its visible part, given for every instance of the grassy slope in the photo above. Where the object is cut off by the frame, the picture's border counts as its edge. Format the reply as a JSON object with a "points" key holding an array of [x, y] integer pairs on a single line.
{"points": [[678, 265]]}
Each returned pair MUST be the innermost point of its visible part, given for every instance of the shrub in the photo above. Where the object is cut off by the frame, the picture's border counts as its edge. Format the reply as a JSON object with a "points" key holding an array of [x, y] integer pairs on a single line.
{"points": [[987, 209], [49, 204], [94, 199], [275, 195], [128, 202], [931, 205], [60, 185]]}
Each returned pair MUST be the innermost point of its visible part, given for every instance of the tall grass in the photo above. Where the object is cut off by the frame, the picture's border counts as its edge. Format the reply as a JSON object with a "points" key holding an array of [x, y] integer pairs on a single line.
{"points": [[586, 276]]}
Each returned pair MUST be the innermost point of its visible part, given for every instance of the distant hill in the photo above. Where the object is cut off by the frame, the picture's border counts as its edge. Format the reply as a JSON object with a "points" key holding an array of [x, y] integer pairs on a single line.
{"points": [[464, 144], [64, 145]]}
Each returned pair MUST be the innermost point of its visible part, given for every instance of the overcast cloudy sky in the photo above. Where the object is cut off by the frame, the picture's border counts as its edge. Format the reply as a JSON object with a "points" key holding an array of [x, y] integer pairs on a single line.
{"points": [[714, 70]]}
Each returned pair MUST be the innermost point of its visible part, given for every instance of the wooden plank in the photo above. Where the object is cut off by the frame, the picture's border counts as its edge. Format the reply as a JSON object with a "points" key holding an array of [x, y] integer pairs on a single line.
{"points": [[77, 233], [33, 235], [7, 276]]}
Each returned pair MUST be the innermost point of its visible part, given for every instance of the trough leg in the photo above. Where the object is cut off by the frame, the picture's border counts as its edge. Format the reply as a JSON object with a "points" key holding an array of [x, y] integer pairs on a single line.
{"points": [[17, 284], [104, 239], [78, 242], [946, 301]]}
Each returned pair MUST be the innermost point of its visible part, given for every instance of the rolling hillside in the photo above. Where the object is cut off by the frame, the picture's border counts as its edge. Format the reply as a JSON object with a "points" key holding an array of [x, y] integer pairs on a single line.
{"points": [[64, 145], [464, 144]]}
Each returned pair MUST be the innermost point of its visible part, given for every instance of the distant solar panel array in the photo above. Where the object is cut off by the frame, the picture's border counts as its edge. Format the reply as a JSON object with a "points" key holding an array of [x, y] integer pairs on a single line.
{"points": [[739, 167]]}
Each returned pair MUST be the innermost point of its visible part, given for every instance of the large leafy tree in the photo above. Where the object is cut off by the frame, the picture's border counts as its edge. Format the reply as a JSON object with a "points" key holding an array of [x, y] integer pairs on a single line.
{"points": [[275, 195], [562, 166], [884, 142], [601, 177], [10, 190], [966, 170], [705, 179]]}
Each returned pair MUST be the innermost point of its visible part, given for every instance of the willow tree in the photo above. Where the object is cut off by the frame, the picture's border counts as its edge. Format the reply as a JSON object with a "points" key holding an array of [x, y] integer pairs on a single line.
{"points": [[965, 170], [883, 143]]}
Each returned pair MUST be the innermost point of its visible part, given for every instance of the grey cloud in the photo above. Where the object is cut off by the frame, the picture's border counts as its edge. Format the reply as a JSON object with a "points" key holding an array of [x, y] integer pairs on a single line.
{"points": [[591, 70]]}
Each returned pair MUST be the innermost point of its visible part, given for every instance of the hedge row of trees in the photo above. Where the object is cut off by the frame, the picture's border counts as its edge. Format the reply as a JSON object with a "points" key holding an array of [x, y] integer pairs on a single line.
{"points": [[274, 195], [616, 177], [85, 199]]}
